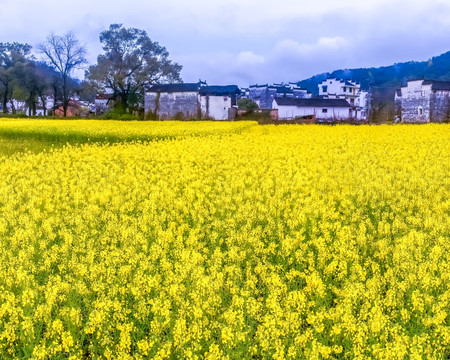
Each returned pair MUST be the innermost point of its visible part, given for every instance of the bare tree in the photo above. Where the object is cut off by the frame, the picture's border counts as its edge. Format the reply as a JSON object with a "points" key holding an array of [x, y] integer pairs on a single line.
{"points": [[65, 54]]}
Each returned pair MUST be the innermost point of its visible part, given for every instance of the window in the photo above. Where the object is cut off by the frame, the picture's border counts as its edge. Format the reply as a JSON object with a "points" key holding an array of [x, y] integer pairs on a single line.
{"points": [[345, 89], [325, 88], [324, 111], [420, 110]]}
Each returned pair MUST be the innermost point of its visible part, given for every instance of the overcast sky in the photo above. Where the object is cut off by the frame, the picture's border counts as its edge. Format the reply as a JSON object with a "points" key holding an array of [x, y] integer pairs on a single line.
{"points": [[249, 41]]}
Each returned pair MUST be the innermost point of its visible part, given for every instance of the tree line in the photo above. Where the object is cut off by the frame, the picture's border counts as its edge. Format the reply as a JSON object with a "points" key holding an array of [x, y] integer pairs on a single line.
{"points": [[130, 61]]}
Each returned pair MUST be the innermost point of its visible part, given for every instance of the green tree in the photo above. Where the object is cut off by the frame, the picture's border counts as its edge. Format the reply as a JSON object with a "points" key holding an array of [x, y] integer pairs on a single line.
{"points": [[11, 55], [34, 81], [131, 61], [247, 105]]}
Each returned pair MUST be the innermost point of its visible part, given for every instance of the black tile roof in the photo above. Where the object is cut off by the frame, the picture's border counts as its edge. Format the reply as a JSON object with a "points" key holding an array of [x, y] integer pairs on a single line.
{"points": [[313, 102], [220, 90], [299, 89], [284, 90], [187, 87], [438, 85]]}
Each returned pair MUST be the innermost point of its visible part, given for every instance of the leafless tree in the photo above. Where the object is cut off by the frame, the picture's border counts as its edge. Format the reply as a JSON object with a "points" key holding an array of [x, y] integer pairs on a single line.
{"points": [[65, 54]]}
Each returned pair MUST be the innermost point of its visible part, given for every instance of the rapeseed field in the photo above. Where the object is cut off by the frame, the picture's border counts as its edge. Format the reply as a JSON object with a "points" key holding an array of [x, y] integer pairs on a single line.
{"points": [[225, 241]]}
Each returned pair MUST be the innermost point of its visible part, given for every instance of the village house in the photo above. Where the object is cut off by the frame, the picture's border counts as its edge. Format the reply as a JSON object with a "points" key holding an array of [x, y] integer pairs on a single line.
{"points": [[45, 106], [219, 102], [102, 103], [263, 95], [260, 95], [333, 88], [315, 108], [423, 101], [191, 101], [75, 108], [362, 104]]}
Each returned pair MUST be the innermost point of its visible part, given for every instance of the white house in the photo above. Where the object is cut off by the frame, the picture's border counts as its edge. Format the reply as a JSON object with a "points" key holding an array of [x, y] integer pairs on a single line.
{"points": [[362, 104], [218, 102], [339, 89], [333, 88], [263, 95], [329, 109], [40, 111], [102, 103], [191, 101]]}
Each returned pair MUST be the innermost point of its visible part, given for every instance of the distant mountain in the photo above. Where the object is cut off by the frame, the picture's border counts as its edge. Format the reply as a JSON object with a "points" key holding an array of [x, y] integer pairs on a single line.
{"points": [[437, 68], [384, 80]]}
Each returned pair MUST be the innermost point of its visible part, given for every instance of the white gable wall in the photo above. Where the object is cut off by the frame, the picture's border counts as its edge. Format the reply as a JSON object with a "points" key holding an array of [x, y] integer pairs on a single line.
{"points": [[215, 107], [333, 87], [338, 89]]}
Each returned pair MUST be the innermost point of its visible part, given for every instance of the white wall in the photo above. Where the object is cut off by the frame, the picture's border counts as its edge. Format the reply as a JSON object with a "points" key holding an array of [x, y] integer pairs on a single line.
{"points": [[101, 105], [215, 107], [335, 88], [290, 112], [416, 89], [39, 112], [362, 103]]}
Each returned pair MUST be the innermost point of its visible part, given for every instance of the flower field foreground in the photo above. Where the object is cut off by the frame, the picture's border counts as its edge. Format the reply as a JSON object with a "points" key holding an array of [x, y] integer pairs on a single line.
{"points": [[84, 131], [279, 242]]}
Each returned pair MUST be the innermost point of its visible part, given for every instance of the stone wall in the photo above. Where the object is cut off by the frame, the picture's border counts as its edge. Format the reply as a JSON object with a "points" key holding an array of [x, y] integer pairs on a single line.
{"points": [[415, 97], [261, 96], [167, 106], [411, 112], [440, 106]]}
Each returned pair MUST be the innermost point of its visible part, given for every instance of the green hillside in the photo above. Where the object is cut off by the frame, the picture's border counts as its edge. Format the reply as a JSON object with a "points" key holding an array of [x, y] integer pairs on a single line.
{"points": [[384, 80], [437, 68]]}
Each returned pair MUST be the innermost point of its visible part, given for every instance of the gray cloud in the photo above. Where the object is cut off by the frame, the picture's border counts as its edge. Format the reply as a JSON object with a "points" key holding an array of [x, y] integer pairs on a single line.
{"points": [[250, 41]]}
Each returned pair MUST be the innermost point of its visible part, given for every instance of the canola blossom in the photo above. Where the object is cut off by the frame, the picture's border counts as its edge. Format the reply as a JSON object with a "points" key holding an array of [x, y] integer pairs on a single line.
{"points": [[240, 242], [85, 131]]}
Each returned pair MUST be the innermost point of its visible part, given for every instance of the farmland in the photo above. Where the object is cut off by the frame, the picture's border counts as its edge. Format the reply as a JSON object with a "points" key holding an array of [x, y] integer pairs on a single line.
{"points": [[167, 240]]}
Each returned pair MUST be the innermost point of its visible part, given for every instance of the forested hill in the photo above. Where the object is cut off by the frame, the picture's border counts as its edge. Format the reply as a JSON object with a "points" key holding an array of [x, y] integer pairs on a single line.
{"points": [[389, 77]]}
